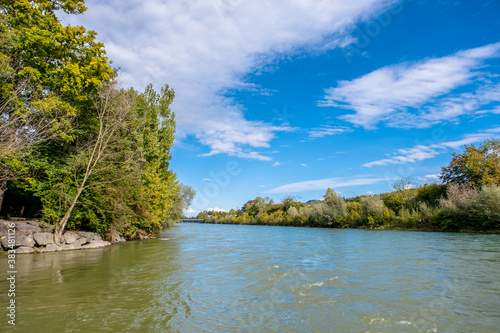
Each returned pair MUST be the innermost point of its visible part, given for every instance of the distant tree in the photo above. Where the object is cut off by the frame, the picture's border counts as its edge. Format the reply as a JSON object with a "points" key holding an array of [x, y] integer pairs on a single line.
{"points": [[372, 206], [334, 207], [430, 194], [180, 202], [292, 212], [399, 198], [477, 165], [257, 207]]}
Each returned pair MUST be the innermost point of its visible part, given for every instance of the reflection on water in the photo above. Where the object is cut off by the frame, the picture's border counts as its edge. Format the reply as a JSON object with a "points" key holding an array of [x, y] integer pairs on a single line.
{"points": [[223, 278]]}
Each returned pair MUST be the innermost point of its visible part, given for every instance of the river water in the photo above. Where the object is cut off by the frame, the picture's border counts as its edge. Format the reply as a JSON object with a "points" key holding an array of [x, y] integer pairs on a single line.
{"points": [[227, 278]]}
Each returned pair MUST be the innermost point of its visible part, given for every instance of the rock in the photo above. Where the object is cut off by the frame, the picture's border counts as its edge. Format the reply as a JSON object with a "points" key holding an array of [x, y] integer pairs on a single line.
{"points": [[95, 244], [67, 247], [24, 238], [79, 242], [4, 228], [70, 237], [43, 238], [117, 239], [24, 249], [35, 223], [5, 243], [27, 227], [52, 248], [90, 236]]}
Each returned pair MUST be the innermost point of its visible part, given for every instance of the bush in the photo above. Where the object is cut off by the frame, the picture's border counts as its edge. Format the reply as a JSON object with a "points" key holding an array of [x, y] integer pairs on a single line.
{"points": [[372, 206], [459, 198], [487, 206], [292, 212], [334, 207]]}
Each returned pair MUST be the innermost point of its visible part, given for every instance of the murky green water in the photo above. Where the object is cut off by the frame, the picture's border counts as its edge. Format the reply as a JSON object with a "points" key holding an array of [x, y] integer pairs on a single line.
{"points": [[222, 278]]}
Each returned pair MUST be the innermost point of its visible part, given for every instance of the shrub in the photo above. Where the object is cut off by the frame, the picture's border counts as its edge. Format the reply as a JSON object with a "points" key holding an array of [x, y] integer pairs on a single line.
{"points": [[292, 212], [487, 206], [372, 206]]}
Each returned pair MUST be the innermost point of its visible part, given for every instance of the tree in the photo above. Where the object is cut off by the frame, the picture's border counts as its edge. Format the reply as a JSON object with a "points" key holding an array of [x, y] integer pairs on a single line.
{"points": [[96, 156], [477, 165], [180, 202], [49, 74], [334, 207], [155, 138]]}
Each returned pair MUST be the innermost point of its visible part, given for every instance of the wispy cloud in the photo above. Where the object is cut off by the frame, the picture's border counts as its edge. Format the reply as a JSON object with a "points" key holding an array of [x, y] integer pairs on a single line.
{"points": [[323, 184], [408, 94], [203, 48], [322, 131], [423, 152], [275, 164]]}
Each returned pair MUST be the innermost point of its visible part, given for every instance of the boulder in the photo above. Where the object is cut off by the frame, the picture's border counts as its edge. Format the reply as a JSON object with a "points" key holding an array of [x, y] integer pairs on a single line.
{"points": [[67, 247], [24, 249], [43, 238], [95, 244], [27, 227], [4, 227], [5, 244], [117, 239], [35, 223], [79, 242], [91, 236], [24, 238], [70, 237], [52, 248]]}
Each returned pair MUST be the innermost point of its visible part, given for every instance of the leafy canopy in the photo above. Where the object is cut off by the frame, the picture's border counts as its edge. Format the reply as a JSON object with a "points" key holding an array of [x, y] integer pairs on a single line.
{"points": [[477, 165]]}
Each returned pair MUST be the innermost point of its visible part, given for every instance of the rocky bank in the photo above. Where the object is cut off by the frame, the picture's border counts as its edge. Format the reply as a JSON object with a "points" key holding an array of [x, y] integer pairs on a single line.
{"points": [[31, 236]]}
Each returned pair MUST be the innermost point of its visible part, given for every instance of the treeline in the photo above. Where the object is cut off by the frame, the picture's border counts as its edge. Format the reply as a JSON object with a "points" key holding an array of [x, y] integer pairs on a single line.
{"points": [[76, 150], [469, 200]]}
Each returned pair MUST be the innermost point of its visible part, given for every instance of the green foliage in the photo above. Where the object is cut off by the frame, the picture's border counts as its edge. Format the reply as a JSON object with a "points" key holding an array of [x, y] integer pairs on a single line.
{"points": [[430, 194], [334, 207], [101, 160], [461, 208], [372, 206], [479, 166]]}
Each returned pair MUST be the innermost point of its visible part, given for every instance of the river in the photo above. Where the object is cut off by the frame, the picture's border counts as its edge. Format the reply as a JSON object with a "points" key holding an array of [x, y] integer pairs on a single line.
{"points": [[229, 278]]}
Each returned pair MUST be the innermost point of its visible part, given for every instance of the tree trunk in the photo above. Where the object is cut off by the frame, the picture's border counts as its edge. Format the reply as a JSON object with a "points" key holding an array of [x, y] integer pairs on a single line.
{"points": [[62, 224]]}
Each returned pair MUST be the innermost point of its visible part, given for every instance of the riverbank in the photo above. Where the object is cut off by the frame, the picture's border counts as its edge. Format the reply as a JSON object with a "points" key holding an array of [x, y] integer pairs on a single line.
{"points": [[31, 236]]}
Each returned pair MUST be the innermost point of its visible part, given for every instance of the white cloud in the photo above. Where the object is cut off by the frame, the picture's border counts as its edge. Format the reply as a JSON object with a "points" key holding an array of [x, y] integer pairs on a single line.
{"points": [[275, 164], [387, 94], [304, 165], [323, 184], [203, 48], [207, 180], [320, 132], [430, 178], [423, 152], [215, 209]]}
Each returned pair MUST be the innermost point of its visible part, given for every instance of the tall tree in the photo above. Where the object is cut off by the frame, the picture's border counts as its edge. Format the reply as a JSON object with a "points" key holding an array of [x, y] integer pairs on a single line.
{"points": [[49, 75], [155, 140], [334, 207], [477, 165], [105, 152]]}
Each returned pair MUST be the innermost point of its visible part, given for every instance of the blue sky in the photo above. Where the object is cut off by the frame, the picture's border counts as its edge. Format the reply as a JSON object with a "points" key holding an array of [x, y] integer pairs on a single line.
{"points": [[278, 98]]}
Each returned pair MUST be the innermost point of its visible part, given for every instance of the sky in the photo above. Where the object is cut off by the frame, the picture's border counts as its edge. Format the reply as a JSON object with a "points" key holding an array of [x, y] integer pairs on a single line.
{"points": [[288, 98]]}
